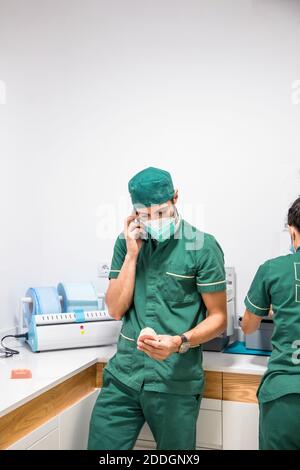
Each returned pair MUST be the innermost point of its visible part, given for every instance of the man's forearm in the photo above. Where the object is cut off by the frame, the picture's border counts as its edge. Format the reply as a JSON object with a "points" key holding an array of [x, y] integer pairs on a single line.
{"points": [[208, 329], [120, 294]]}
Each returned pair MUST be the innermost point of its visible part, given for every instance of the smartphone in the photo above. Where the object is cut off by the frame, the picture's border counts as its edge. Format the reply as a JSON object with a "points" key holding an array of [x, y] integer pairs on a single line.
{"points": [[143, 235]]}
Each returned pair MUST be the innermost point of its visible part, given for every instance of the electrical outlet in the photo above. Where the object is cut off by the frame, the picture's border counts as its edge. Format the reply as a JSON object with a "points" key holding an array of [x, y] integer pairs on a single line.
{"points": [[103, 270]]}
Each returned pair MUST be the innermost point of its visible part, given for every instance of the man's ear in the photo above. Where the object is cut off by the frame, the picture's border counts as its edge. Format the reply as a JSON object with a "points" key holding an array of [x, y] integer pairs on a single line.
{"points": [[175, 197], [292, 232]]}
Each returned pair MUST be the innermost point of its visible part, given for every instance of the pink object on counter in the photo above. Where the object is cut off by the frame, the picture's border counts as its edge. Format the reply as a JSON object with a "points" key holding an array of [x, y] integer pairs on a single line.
{"points": [[21, 374]]}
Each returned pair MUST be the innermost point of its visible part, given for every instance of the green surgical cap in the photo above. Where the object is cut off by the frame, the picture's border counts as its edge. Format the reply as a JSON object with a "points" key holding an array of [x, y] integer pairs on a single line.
{"points": [[150, 187]]}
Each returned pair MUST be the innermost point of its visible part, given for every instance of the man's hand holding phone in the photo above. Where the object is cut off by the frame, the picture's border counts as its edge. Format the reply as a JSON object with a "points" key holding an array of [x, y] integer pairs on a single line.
{"points": [[133, 235]]}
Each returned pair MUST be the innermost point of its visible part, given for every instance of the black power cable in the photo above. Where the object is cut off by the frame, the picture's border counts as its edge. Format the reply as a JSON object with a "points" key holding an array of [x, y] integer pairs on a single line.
{"points": [[5, 351]]}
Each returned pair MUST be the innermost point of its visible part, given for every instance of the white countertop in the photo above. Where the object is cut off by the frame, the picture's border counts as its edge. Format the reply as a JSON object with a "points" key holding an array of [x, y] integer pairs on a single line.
{"points": [[235, 363], [48, 369], [51, 368]]}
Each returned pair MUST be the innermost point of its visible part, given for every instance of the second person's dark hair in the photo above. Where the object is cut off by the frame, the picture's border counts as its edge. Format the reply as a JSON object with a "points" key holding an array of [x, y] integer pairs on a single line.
{"points": [[294, 215]]}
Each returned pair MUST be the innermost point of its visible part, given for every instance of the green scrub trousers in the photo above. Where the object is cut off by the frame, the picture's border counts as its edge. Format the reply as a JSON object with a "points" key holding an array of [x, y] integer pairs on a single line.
{"points": [[279, 423], [120, 413]]}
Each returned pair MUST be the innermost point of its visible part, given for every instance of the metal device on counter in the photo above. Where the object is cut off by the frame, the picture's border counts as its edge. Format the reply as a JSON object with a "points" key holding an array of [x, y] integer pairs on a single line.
{"points": [[78, 329], [219, 343], [261, 339]]}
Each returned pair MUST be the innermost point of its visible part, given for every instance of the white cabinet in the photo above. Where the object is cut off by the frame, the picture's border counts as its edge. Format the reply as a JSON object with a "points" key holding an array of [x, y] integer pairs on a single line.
{"points": [[240, 426], [209, 424], [74, 423], [229, 425], [67, 431], [49, 442], [45, 437]]}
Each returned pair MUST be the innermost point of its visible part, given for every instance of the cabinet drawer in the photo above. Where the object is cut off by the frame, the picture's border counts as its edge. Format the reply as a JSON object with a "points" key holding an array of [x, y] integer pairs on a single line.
{"points": [[213, 385], [209, 429], [209, 404], [36, 436], [240, 387], [49, 442], [240, 426]]}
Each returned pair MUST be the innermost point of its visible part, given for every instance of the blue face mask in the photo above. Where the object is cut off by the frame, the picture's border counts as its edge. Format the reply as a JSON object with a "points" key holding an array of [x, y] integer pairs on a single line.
{"points": [[292, 248], [161, 229]]}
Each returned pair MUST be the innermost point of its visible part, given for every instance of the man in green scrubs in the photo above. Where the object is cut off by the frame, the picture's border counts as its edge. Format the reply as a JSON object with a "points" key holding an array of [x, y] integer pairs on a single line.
{"points": [[165, 275], [277, 284]]}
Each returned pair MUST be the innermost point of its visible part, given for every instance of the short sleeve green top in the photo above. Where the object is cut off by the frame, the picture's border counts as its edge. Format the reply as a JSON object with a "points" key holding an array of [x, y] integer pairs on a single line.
{"points": [[170, 278], [277, 283]]}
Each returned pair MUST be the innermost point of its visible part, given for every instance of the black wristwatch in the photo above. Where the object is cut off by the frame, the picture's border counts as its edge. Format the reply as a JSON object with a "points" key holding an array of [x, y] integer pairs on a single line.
{"points": [[185, 345]]}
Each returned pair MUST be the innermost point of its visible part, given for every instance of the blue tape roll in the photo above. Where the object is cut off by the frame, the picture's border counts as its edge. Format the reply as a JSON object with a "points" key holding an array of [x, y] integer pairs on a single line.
{"points": [[44, 300], [78, 296]]}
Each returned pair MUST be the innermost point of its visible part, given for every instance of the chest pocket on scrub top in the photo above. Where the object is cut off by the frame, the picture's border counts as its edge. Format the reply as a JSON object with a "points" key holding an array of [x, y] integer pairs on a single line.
{"points": [[178, 283]]}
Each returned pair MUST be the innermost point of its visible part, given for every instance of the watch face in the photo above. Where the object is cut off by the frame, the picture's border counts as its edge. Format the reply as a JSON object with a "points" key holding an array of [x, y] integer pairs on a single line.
{"points": [[184, 347]]}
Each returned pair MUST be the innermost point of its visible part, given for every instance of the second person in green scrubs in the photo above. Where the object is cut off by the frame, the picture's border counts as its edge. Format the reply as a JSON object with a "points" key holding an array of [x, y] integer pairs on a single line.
{"points": [[277, 284]]}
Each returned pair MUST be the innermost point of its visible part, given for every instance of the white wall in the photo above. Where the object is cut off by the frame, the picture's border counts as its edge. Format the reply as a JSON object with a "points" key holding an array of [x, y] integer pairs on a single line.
{"points": [[98, 90]]}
